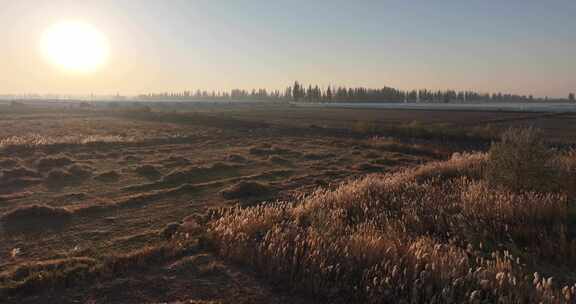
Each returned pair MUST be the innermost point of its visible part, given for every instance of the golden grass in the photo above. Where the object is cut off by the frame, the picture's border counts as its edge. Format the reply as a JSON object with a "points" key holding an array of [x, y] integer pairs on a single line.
{"points": [[43, 140], [434, 234]]}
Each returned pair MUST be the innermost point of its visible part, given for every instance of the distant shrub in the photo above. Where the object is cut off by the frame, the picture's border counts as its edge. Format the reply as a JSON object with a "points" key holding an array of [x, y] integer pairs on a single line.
{"points": [[365, 127], [521, 161], [566, 164], [245, 190], [368, 167], [170, 230], [486, 131]]}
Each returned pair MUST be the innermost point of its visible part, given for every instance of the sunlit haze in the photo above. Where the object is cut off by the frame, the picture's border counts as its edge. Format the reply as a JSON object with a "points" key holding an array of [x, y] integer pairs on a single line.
{"points": [[132, 47], [75, 46]]}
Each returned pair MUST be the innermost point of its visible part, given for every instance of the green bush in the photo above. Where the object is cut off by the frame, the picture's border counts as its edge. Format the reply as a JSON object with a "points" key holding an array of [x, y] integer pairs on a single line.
{"points": [[522, 161]]}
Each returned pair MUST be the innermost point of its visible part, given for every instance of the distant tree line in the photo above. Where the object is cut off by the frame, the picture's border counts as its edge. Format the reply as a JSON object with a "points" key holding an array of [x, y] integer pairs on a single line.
{"points": [[314, 93], [299, 92], [235, 94]]}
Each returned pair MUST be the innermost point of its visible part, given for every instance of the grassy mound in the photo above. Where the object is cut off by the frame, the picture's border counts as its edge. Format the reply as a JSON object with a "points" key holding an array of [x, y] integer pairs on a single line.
{"points": [[58, 176], [35, 218], [74, 174], [8, 163], [437, 233], [200, 173], [236, 158], [279, 160], [175, 161], [267, 150], [47, 163], [108, 177], [17, 178], [18, 172], [81, 170], [148, 171], [246, 190]]}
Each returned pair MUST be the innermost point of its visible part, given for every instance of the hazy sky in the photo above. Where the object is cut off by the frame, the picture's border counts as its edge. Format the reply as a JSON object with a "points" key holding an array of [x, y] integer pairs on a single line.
{"points": [[519, 46]]}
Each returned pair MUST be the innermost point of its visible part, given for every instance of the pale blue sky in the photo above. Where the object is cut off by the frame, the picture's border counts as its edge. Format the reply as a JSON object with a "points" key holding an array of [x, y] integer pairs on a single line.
{"points": [[516, 46]]}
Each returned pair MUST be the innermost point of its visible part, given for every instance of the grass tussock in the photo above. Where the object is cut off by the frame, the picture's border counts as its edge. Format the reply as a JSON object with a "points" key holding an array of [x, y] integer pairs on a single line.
{"points": [[108, 176], [8, 163], [280, 160], [196, 174], [51, 162], [16, 173], [148, 171], [267, 150], [175, 161], [35, 217], [236, 158], [246, 190], [439, 233], [385, 144]]}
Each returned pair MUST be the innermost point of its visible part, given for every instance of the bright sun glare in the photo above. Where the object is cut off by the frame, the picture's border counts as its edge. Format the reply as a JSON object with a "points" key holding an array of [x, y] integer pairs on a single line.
{"points": [[75, 46]]}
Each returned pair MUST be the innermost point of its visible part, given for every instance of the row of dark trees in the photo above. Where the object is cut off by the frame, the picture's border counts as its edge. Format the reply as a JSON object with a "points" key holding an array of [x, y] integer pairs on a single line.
{"points": [[235, 94], [301, 93]]}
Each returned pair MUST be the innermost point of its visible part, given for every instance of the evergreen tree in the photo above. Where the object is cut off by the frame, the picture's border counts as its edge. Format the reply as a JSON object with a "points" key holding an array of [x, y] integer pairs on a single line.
{"points": [[329, 94], [296, 91]]}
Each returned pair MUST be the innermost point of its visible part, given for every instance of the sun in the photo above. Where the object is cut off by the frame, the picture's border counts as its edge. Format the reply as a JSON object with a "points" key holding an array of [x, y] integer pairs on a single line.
{"points": [[75, 46]]}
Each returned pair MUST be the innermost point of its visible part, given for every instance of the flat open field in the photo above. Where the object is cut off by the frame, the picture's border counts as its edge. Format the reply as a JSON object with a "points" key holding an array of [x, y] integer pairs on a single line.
{"points": [[119, 182], [123, 180], [559, 127]]}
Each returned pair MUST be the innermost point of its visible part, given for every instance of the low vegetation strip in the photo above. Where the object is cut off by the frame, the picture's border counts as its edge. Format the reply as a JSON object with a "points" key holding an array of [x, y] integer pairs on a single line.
{"points": [[73, 271], [446, 232]]}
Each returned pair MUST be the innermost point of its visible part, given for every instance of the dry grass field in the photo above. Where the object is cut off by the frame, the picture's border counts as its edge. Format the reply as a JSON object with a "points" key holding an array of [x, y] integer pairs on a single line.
{"points": [[558, 127], [274, 204]]}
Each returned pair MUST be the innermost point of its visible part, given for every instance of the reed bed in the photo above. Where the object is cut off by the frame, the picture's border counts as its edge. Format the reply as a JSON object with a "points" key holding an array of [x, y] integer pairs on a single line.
{"points": [[43, 140], [439, 233]]}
